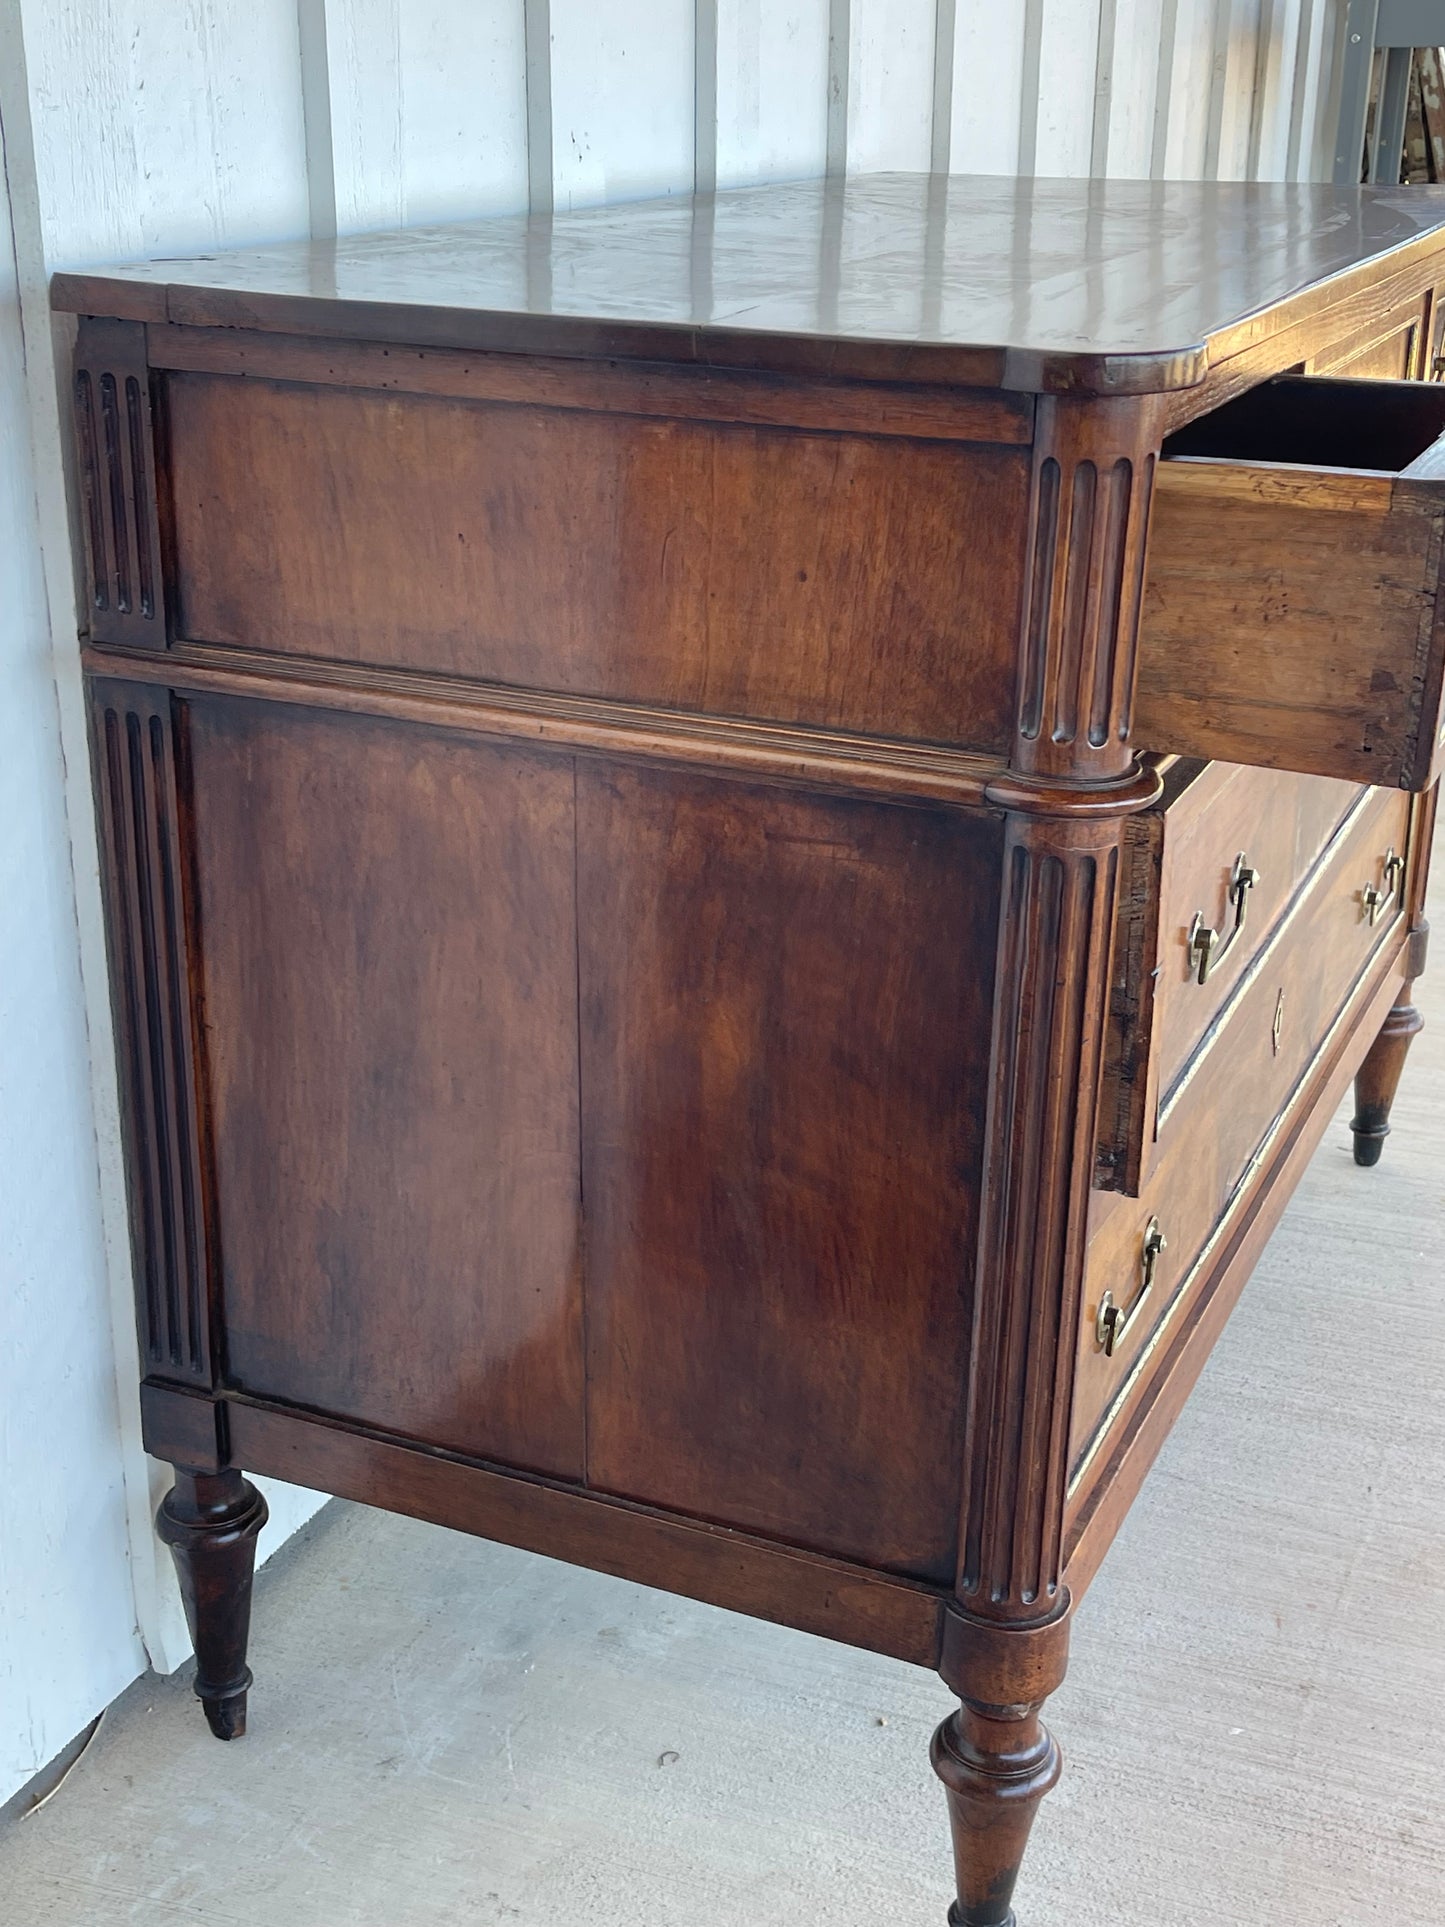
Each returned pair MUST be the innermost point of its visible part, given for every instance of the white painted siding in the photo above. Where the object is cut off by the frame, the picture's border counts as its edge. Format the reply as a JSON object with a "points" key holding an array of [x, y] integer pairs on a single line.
{"points": [[137, 127], [622, 100], [68, 1640], [771, 115], [987, 89], [889, 84], [129, 127], [1130, 88], [428, 109]]}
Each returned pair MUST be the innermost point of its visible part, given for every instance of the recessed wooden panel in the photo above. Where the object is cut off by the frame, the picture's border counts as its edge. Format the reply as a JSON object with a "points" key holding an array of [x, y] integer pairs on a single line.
{"points": [[1391, 350], [843, 580], [785, 1035], [389, 983]]}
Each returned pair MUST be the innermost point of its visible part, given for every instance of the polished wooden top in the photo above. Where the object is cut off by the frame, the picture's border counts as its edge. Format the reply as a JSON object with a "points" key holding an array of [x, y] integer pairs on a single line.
{"points": [[1115, 286]]}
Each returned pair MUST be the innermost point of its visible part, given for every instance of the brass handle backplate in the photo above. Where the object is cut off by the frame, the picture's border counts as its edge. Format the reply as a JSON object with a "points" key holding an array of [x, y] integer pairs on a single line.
{"points": [[1114, 1320], [1376, 901], [1207, 947]]}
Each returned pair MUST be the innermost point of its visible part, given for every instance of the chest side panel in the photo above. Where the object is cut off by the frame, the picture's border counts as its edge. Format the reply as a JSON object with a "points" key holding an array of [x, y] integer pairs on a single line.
{"points": [[785, 1022]]}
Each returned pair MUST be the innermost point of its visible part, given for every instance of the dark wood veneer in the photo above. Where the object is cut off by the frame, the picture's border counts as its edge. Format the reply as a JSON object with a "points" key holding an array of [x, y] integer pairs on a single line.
{"points": [[781, 1205], [745, 571], [651, 965], [388, 986]]}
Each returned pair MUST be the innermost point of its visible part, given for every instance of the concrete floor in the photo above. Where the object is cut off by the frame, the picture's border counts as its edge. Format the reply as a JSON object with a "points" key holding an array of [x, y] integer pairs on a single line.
{"points": [[452, 1734]]}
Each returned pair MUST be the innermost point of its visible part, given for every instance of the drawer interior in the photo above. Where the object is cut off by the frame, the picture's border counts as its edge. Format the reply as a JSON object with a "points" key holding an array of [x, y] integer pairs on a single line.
{"points": [[1381, 427], [1292, 614]]}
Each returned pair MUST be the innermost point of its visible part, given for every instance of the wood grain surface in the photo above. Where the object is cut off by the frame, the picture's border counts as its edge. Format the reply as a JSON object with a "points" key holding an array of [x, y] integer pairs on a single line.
{"points": [[781, 1200], [388, 987], [1124, 285], [1292, 604], [850, 582]]}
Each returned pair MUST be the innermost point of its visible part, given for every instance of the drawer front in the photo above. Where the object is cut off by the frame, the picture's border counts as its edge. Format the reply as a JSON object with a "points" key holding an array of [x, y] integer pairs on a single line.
{"points": [[860, 582], [1232, 825], [1234, 1088], [1393, 349], [1291, 613], [1208, 875]]}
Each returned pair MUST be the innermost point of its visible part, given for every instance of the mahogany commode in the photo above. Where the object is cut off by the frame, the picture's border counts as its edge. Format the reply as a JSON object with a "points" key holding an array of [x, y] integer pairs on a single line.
{"points": [[748, 840]]}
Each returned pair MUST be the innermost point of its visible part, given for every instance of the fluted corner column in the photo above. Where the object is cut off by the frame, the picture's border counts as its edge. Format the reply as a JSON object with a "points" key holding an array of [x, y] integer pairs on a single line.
{"points": [[1092, 490], [1074, 781]]}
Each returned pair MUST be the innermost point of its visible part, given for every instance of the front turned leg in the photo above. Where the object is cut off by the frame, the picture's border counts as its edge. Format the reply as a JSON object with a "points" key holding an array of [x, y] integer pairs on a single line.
{"points": [[995, 1756], [211, 1522], [996, 1765], [1378, 1079]]}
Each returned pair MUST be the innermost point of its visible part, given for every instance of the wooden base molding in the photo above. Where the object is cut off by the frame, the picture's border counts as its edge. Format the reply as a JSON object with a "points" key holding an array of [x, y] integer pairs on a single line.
{"points": [[748, 1575]]}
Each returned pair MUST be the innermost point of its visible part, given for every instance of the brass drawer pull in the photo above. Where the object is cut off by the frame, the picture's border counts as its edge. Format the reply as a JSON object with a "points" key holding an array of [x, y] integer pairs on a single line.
{"points": [[1377, 901], [1205, 946], [1113, 1321]]}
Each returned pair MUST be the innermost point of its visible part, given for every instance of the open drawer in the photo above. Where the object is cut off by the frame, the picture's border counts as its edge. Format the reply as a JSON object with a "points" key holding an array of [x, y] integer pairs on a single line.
{"points": [[1293, 616]]}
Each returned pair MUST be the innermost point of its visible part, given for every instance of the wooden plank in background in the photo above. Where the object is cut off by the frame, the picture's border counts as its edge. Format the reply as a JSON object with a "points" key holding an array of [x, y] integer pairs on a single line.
{"points": [[1296, 86], [159, 130], [622, 100], [890, 84], [1138, 31], [427, 110], [1186, 157], [1417, 157], [1068, 51], [1432, 100], [1274, 63], [987, 90], [771, 90]]}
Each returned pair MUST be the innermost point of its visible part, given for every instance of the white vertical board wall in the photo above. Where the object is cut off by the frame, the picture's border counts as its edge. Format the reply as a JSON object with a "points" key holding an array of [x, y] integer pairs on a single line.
{"points": [[68, 1640], [130, 127], [884, 52], [985, 88], [622, 80], [151, 127], [770, 114], [430, 108]]}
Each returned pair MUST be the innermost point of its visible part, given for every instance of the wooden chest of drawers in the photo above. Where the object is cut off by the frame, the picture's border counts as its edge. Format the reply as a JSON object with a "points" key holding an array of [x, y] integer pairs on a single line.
{"points": [[747, 842]]}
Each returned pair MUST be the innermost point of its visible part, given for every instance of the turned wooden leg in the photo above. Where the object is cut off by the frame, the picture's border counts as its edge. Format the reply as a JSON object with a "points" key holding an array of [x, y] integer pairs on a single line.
{"points": [[1378, 1079], [996, 1766], [995, 1756], [211, 1521]]}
